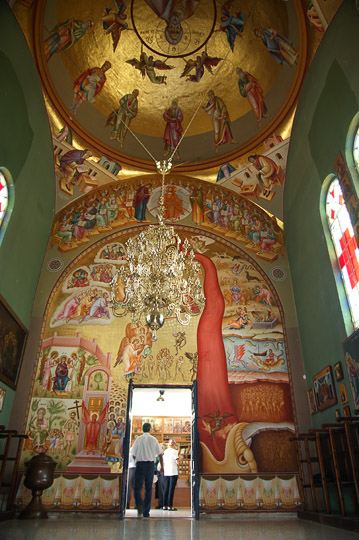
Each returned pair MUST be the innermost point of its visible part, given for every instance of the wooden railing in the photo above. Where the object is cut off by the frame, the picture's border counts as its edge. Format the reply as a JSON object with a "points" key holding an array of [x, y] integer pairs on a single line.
{"points": [[328, 467], [11, 445]]}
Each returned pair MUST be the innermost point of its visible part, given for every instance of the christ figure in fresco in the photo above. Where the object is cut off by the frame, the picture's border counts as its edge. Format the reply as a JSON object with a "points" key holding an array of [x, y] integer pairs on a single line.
{"points": [[173, 12], [93, 426]]}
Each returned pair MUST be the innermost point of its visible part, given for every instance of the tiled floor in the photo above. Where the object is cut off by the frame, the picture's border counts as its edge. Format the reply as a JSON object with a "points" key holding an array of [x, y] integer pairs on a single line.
{"points": [[162, 526]]}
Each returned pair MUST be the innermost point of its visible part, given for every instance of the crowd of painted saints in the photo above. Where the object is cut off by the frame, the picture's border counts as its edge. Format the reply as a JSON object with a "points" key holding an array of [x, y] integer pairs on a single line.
{"points": [[232, 25], [117, 205]]}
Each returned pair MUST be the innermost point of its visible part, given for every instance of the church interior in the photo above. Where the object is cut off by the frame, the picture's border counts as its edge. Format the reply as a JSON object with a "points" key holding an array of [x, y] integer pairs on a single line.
{"points": [[179, 231]]}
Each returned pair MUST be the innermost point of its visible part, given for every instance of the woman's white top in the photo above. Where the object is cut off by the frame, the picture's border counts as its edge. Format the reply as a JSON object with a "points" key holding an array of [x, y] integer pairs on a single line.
{"points": [[170, 457]]}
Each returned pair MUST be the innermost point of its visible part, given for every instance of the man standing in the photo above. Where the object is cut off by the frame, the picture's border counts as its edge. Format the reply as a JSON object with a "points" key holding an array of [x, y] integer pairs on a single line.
{"points": [[144, 451]]}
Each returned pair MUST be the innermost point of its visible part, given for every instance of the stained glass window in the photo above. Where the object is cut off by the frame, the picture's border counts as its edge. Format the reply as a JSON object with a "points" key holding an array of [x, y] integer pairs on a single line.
{"points": [[345, 245], [4, 197], [356, 149]]}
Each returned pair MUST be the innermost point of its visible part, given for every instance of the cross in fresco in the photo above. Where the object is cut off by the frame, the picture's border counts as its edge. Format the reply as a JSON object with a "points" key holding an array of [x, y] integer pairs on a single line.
{"points": [[77, 407]]}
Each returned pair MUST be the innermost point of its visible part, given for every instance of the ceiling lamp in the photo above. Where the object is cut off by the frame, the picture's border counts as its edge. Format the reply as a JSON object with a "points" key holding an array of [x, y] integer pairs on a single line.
{"points": [[160, 397], [161, 276]]}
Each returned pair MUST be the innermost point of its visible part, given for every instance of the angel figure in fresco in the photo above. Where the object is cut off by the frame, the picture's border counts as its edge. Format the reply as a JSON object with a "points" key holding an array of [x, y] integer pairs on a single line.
{"points": [[88, 85], [232, 25], [217, 111], [278, 46], [93, 425], [173, 12], [121, 118], [113, 22], [146, 65], [64, 35], [201, 62], [250, 88]]}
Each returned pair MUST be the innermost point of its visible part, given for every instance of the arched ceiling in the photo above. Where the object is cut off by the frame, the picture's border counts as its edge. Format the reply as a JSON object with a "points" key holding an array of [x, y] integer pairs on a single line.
{"points": [[204, 24]]}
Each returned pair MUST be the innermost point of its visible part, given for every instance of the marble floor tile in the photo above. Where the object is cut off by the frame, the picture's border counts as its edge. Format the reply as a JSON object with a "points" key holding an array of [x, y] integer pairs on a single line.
{"points": [[162, 526]]}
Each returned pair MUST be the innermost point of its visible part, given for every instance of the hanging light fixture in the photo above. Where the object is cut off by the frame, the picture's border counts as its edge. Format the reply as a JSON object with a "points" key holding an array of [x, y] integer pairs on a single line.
{"points": [[161, 276]]}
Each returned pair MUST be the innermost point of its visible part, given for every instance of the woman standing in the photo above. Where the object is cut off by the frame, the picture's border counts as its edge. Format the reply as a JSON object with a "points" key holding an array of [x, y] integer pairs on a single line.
{"points": [[170, 462]]}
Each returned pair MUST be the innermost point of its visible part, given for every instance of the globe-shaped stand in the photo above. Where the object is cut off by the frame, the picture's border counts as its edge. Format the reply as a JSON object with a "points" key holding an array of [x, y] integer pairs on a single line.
{"points": [[39, 476]]}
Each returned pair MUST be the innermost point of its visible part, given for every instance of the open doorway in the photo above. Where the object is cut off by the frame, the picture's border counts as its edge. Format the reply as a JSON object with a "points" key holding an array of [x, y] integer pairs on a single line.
{"points": [[169, 411]]}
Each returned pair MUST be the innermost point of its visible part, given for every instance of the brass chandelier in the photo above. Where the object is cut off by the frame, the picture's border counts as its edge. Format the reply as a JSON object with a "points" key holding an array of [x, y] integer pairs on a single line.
{"points": [[161, 276]]}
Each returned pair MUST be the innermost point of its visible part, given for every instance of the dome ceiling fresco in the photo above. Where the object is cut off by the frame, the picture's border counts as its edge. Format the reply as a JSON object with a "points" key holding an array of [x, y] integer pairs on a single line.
{"points": [[134, 78]]}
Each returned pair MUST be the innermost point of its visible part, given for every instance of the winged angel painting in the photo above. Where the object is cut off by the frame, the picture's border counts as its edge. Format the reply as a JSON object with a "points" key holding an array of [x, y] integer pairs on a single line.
{"points": [[113, 22], [198, 65], [146, 65]]}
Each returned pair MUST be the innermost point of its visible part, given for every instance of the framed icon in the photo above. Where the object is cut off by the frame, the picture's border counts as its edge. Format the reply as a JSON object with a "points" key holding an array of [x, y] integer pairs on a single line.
{"points": [[324, 389]]}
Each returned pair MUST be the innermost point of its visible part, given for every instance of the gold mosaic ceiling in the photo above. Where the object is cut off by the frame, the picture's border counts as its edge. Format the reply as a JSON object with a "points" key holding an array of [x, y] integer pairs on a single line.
{"points": [[203, 31]]}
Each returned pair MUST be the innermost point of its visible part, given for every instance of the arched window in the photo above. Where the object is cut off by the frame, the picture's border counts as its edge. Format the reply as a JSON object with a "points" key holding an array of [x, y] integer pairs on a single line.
{"points": [[6, 199], [345, 246], [356, 149]]}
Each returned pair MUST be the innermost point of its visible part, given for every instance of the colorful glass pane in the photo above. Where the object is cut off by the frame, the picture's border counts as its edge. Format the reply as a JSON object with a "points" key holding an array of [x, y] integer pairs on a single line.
{"points": [[4, 197], [345, 245]]}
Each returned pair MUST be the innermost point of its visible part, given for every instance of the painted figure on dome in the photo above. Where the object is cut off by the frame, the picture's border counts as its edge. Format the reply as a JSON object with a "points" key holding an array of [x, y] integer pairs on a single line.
{"points": [[201, 62], [232, 25], [93, 424], [250, 88], [64, 35], [147, 65], [314, 18], [173, 12], [269, 173], [172, 136], [113, 22], [217, 111], [121, 118], [68, 163], [65, 134], [88, 85], [140, 202], [278, 46]]}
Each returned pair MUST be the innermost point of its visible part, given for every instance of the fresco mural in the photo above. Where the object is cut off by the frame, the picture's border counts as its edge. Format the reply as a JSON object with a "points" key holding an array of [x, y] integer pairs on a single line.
{"points": [[78, 407], [214, 209]]}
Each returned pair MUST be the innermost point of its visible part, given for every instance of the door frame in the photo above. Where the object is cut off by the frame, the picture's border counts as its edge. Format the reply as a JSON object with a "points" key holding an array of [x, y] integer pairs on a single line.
{"points": [[194, 441]]}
